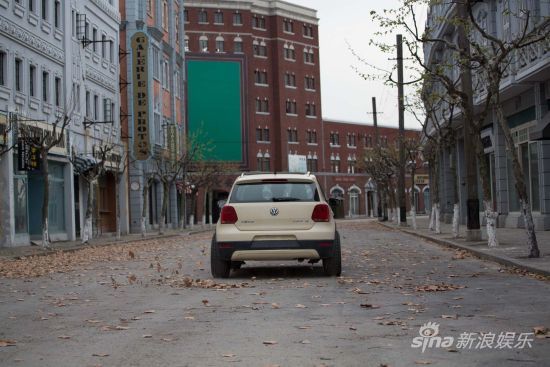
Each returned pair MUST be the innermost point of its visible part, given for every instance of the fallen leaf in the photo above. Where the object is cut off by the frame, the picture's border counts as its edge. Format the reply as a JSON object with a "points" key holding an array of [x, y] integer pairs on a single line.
{"points": [[205, 302], [304, 327], [93, 321], [300, 306], [167, 339], [121, 327], [7, 343], [149, 311], [454, 317], [305, 341], [189, 317], [229, 355], [100, 354], [64, 337], [368, 305], [422, 362], [541, 332], [269, 342], [147, 336], [275, 306], [131, 254]]}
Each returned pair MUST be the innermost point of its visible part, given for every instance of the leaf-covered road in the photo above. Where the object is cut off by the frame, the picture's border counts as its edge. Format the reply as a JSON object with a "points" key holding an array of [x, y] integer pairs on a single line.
{"points": [[155, 304]]}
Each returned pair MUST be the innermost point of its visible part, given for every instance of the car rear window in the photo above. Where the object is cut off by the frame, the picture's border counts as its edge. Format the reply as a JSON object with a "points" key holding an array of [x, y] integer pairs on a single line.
{"points": [[263, 192]]}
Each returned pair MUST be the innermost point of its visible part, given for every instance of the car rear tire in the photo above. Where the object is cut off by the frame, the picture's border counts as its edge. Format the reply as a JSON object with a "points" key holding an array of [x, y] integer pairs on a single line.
{"points": [[218, 267], [333, 265]]}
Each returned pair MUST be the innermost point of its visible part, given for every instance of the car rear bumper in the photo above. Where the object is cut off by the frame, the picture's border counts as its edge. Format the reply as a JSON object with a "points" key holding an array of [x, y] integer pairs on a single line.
{"points": [[275, 250]]}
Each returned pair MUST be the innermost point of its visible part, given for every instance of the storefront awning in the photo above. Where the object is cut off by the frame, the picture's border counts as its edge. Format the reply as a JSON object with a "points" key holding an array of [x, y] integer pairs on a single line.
{"points": [[82, 164], [542, 130]]}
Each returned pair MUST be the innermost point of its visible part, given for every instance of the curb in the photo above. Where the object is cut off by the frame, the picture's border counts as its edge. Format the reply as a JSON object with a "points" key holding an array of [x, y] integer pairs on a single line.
{"points": [[480, 254], [103, 244]]}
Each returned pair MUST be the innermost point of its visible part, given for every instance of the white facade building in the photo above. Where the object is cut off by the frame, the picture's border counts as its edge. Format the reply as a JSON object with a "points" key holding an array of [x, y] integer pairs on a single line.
{"points": [[45, 73]]}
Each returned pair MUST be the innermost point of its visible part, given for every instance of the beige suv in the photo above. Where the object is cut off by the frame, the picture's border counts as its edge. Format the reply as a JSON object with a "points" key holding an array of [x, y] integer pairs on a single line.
{"points": [[275, 217]]}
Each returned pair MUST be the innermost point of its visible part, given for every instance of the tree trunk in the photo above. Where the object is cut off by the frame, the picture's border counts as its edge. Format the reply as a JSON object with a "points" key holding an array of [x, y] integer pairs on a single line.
{"points": [[144, 209], [45, 199], [490, 217], [165, 198], [456, 197], [530, 228], [88, 227], [204, 200], [412, 196], [437, 219], [456, 224], [521, 187], [210, 196], [431, 225]]}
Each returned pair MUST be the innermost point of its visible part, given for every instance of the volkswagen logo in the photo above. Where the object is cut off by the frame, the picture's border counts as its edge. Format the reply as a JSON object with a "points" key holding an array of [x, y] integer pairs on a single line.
{"points": [[274, 211]]}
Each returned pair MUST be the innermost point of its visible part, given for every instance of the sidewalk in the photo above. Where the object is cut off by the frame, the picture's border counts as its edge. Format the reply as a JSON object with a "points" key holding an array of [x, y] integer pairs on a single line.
{"points": [[512, 250], [105, 240]]}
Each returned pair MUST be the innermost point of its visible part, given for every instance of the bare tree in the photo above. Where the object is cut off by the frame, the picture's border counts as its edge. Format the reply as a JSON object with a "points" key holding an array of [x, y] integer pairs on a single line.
{"points": [[90, 174], [121, 165], [44, 141]]}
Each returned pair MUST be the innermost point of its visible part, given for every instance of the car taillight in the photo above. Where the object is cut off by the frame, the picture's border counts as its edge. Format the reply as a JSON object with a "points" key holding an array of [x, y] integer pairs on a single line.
{"points": [[229, 215], [321, 213]]}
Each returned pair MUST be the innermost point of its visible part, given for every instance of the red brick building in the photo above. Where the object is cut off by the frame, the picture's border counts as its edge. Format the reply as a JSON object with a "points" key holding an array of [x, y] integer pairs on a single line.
{"points": [[278, 45]]}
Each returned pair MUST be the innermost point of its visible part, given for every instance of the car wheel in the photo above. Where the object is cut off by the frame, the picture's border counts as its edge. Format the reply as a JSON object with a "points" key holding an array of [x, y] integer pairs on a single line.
{"points": [[236, 265], [333, 265], [218, 267]]}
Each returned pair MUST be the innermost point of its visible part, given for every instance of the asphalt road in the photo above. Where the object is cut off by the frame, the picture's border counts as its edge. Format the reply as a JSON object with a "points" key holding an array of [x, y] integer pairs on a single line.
{"points": [[154, 304]]}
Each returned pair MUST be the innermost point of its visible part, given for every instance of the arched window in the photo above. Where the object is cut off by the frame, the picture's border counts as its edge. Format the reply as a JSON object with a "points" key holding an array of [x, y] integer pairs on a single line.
{"points": [[238, 45], [203, 44], [219, 44]]}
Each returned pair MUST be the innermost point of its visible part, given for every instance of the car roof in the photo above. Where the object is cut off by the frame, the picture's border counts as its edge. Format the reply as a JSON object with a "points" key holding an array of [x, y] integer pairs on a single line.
{"points": [[307, 177]]}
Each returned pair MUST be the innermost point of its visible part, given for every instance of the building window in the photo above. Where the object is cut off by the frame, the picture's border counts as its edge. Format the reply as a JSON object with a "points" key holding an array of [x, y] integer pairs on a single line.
{"points": [[107, 112], [58, 92], [352, 164], [203, 16], [308, 31], [291, 108], [260, 48], [203, 44], [260, 77], [262, 105], [259, 132], [218, 17], [45, 85], [156, 63], [96, 107], [312, 137], [312, 163], [309, 82], [186, 16], [3, 65], [177, 26], [310, 109], [219, 44], [237, 19], [111, 51], [335, 163], [368, 141], [32, 80], [290, 80], [94, 38], [57, 14], [238, 45], [352, 142], [309, 56], [88, 109], [334, 138], [289, 52], [44, 9], [31, 6], [258, 22], [18, 75], [164, 19], [288, 26], [292, 135], [266, 134], [103, 45]]}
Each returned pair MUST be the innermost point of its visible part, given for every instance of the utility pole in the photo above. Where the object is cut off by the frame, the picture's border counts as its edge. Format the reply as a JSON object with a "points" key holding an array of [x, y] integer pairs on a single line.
{"points": [[473, 231], [380, 210], [401, 177]]}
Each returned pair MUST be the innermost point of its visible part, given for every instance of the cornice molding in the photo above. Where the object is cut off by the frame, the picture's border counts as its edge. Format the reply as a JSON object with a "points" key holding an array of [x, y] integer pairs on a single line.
{"points": [[108, 9], [100, 78], [31, 40]]}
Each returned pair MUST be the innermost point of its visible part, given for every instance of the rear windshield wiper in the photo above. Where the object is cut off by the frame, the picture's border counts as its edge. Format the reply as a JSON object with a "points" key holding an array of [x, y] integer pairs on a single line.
{"points": [[286, 199]]}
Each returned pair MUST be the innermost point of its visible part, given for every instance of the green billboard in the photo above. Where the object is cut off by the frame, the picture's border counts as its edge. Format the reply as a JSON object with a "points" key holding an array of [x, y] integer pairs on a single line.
{"points": [[214, 106]]}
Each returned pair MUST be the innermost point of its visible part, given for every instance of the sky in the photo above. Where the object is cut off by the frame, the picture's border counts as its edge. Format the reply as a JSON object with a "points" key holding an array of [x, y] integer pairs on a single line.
{"points": [[345, 95]]}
